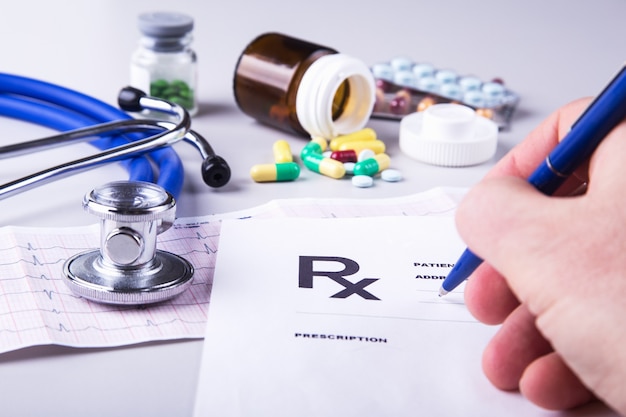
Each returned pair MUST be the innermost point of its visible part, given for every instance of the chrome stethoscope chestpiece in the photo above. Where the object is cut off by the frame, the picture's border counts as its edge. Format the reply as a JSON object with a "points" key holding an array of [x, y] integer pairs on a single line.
{"points": [[128, 268]]}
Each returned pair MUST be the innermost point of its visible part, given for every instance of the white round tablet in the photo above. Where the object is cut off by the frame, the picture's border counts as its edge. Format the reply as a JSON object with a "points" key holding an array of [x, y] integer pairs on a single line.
{"points": [[391, 175], [362, 181]]}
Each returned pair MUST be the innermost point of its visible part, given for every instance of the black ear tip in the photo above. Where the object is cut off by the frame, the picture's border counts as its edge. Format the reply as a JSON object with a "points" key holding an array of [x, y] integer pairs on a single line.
{"points": [[215, 171], [128, 99]]}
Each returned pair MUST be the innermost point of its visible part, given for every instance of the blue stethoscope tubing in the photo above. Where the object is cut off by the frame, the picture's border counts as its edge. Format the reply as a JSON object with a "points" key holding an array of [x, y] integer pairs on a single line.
{"points": [[63, 109]]}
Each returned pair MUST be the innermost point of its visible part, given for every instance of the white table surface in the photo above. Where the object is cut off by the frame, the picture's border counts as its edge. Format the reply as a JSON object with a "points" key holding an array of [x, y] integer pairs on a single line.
{"points": [[549, 52]]}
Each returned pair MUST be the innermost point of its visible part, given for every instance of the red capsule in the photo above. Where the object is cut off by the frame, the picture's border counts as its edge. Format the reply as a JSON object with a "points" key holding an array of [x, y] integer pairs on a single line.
{"points": [[344, 156]]}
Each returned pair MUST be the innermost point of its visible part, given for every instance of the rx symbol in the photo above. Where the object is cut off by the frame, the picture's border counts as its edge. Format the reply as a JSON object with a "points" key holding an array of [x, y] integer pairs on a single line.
{"points": [[350, 267]]}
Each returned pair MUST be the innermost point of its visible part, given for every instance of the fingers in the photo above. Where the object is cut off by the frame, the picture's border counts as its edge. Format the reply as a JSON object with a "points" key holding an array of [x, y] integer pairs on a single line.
{"points": [[532, 245], [517, 344], [519, 357], [488, 297], [550, 384], [607, 166]]}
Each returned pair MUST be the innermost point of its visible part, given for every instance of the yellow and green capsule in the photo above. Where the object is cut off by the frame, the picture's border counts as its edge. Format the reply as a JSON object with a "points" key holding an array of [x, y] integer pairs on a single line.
{"points": [[316, 162], [315, 145], [372, 166], [283, 171]]}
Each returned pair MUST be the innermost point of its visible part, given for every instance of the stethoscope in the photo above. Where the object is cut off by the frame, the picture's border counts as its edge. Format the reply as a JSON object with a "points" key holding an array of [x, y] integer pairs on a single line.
{"points": [[127, 268]]}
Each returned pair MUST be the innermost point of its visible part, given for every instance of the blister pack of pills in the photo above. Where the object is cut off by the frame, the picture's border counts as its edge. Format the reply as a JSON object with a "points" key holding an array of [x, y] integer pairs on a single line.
{"points": [[404, 86]]}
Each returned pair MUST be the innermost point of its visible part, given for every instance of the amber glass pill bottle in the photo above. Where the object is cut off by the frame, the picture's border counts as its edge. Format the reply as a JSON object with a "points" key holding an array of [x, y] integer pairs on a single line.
{"points": [[302, 87]]}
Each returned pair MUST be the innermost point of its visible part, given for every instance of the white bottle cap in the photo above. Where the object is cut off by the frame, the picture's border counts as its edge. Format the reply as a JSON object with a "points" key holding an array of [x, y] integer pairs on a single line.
{"points": [[448, 134], [316, 95]]}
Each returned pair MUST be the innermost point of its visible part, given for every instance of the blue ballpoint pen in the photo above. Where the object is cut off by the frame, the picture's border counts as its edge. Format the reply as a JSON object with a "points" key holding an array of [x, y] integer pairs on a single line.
{"points": [[602, 115]]}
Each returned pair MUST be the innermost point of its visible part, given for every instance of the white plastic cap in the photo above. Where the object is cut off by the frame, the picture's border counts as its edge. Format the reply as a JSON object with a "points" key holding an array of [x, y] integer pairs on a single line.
{"points": [[448, 135], [316, 96]]}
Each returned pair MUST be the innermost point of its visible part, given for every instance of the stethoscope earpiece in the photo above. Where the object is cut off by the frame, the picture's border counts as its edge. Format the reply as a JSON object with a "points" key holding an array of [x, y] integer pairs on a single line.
{"points": [[215, 171], [129, 99]]}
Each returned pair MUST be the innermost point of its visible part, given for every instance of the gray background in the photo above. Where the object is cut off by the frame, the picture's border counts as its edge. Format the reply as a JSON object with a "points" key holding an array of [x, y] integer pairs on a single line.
{"points": [[549, 52]]}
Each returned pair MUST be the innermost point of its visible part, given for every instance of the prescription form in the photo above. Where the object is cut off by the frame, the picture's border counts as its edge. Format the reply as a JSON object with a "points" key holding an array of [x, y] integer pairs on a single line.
{"points": [[341, 317]]}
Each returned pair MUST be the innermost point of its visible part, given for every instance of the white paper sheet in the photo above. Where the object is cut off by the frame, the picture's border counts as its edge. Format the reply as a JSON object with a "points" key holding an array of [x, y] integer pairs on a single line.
{"points": [[289, 334]]}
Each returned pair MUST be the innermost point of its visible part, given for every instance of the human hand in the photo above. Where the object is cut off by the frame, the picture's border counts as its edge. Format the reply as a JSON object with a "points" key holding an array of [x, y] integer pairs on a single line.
{"points": [[554, 273]]}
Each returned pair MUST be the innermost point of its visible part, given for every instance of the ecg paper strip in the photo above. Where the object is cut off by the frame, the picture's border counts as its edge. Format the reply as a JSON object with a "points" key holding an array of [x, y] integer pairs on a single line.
{"points": [[37, 308]]}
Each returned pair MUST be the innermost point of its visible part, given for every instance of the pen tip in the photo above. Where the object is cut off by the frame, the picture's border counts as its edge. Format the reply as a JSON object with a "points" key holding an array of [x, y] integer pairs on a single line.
{"points": [[442, 292]]}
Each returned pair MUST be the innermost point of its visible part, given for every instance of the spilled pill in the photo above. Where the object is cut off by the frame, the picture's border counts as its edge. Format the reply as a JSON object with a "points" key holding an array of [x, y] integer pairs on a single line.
{"points": [[362, 135], [347, 155], [316, 162], [362, 181], [391, 175], [372, 166], [282, 152], [378, 146], [285, 171], [315, 145]]}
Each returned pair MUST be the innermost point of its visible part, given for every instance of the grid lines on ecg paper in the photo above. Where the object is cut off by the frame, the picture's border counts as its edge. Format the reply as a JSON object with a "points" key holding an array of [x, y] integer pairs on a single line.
{"points": [[36, 307]]}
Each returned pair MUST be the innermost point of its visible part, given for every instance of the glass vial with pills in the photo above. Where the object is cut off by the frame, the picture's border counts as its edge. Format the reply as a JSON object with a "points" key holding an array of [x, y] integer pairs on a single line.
{"points": [[164, 65], [303, 87]]}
